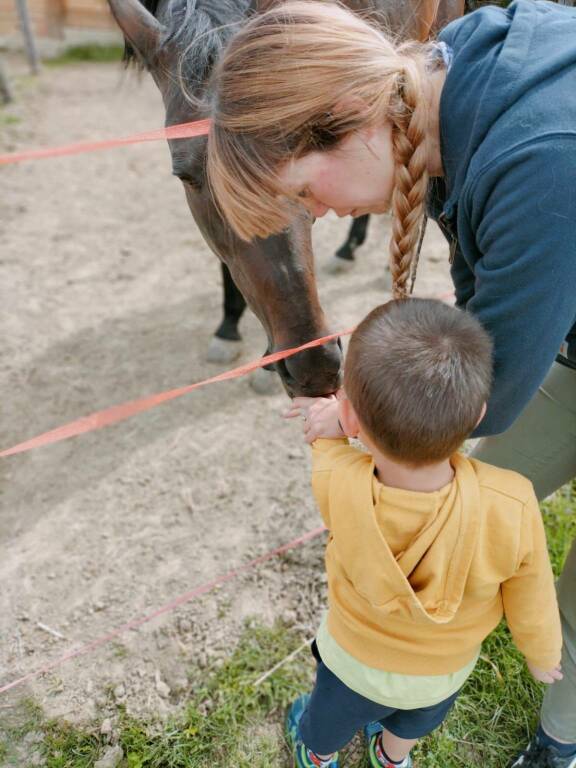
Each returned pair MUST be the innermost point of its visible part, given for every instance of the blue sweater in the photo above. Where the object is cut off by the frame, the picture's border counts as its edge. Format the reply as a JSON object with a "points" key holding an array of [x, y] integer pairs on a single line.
{"points": [[508, 198]]}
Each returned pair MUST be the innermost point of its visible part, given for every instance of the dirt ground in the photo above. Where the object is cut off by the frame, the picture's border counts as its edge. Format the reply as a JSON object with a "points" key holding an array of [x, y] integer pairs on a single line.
{"points": [[109, 293]]}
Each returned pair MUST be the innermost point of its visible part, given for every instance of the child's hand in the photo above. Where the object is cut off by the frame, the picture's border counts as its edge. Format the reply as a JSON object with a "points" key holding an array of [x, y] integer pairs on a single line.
{"points": [[546, 676], [320, 416]]}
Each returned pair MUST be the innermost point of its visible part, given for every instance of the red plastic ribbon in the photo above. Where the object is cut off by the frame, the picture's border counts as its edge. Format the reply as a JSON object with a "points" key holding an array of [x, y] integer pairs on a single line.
{"points": [[180, 131], [121, 412], [186, 597]]}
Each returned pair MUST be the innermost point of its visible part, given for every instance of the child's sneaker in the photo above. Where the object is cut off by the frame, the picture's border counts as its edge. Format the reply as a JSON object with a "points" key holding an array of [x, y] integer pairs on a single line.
{"points": [[538, 756], [377, 759], [303, 757]]}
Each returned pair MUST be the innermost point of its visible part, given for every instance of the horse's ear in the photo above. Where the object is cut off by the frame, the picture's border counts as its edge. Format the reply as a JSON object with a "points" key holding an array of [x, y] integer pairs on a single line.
{"points": [[142, 30]]}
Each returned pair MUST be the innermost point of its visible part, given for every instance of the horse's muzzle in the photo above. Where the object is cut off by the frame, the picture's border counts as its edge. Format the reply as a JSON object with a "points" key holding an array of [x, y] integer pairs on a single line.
{"points": [[313, 372]]}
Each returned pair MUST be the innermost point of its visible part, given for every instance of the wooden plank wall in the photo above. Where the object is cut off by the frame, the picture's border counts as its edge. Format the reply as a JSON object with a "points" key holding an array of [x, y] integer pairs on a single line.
{"points": [[51, 18], [90, 14]]}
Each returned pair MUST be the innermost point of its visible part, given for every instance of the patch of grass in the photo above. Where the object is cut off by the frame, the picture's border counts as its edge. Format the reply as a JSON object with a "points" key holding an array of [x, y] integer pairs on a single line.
{"points": [[119, 650], [67, 747], [16, 724], [559, 514], [90, 52], [7, 119], [230, 723], [223, 608]]}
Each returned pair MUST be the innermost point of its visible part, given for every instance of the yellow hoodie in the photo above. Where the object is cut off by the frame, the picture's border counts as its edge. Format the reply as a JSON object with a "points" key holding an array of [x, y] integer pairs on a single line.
{"points": [[417, 580]]}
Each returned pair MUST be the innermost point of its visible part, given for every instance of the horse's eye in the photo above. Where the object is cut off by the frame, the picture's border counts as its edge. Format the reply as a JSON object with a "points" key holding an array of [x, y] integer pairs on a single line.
{"points": [[303, 194]]}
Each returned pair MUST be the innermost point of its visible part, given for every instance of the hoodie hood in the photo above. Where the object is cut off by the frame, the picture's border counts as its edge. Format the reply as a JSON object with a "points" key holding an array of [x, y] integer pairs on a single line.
{"points": [[426, 577], [500, 56]]}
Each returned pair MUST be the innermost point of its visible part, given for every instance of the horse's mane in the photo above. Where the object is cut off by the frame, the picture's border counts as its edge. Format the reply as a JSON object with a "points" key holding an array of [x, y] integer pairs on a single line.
{"points": [[204, 26]]}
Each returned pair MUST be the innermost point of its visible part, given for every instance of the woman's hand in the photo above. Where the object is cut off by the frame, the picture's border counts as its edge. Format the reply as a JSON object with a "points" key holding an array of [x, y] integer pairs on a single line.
{"points": [[320, 416], [546, 676]]}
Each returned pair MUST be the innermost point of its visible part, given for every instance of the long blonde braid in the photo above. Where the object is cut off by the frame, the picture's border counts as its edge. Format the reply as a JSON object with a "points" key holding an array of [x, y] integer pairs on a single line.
{"points": [[410, 150]]}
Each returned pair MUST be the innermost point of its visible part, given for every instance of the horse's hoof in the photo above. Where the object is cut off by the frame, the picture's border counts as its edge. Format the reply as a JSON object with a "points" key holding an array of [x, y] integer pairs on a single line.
{"points": [[223, 351], [265, 382], [337, 266]]}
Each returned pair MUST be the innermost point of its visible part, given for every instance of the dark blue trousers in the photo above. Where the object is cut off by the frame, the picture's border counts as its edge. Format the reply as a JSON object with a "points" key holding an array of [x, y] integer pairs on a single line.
{"points": [[335, 713]]}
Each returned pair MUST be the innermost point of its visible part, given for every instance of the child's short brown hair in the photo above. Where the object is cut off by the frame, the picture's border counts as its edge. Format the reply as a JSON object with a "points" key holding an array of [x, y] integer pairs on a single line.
{"points": [[417, 374]]}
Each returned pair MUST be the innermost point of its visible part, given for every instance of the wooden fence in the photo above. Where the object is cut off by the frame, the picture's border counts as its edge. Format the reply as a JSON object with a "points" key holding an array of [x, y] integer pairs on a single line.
{"points": [[59, 20]]}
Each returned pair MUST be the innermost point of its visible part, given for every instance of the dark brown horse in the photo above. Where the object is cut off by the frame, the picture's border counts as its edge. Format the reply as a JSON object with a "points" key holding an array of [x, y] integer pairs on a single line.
{"points": [[275, 276]]}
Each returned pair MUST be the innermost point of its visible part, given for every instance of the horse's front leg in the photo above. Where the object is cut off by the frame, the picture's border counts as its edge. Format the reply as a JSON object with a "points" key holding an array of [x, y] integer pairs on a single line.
{"points": [[343, 259], [226, 344]]}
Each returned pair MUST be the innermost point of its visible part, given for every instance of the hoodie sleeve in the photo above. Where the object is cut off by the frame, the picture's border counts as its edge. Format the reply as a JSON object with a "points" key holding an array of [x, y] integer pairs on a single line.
{"points": [[522, 213], [529, 596], [325, 453]]}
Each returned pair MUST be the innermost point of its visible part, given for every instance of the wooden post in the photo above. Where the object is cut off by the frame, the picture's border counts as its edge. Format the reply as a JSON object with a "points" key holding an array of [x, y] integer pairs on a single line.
{"points": [[5, 90], [29, 40]]}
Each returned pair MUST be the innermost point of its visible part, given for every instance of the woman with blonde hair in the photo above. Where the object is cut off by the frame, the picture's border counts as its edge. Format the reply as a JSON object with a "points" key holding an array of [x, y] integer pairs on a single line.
{"points": [[314, 107]]}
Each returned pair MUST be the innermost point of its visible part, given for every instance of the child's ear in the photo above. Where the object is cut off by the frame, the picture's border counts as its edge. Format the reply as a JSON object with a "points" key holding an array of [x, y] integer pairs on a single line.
{"points": [[348, 418], [482, 414]]}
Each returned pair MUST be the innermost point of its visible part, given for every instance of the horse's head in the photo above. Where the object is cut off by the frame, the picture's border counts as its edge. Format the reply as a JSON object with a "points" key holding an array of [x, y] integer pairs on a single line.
{"points": [[276, 275]]}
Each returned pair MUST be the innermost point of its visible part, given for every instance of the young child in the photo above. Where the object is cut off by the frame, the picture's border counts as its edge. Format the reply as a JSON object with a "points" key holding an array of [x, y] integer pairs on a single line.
{"points": [[427, 549]]}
